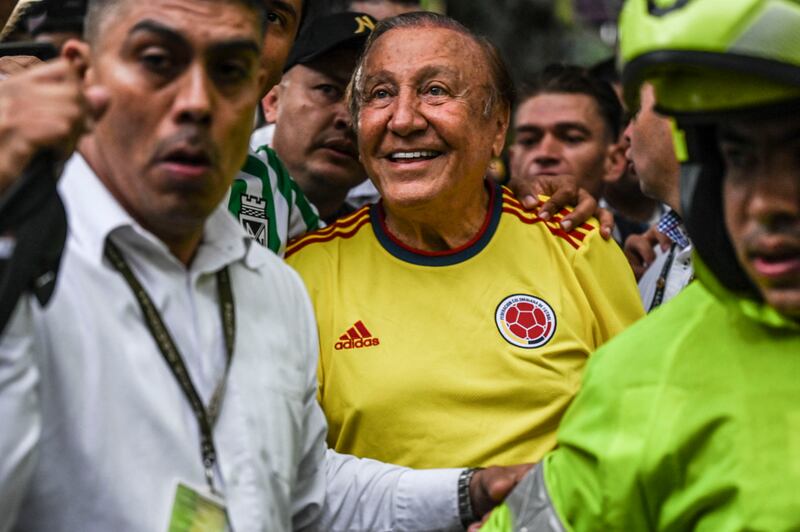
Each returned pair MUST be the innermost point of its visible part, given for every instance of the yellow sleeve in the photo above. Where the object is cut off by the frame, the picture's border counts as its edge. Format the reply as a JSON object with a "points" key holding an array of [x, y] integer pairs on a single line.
{"points": [[313, 265], [610, 287]]}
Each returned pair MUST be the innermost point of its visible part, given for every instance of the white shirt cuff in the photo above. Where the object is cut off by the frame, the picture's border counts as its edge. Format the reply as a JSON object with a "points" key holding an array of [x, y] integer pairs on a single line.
{"points": [[427, 500]]}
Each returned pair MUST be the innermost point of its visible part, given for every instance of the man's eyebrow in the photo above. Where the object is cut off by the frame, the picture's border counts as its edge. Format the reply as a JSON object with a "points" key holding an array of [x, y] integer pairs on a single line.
{"points": [[527, 128], [163, 31], [731, 135], [285, 6], [424, 73], [434, 70], [560, 127], [236, 45], [565, 126], [382, 76], [169, 34]]}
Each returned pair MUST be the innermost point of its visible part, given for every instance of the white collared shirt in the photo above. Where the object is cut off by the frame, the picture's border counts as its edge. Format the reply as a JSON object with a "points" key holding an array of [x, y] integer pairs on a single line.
{"points": [[671, 270], [117, 433]]}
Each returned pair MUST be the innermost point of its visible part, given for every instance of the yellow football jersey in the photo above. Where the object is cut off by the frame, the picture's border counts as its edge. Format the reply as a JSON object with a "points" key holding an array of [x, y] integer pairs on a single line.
{"points": [[463, 358]]}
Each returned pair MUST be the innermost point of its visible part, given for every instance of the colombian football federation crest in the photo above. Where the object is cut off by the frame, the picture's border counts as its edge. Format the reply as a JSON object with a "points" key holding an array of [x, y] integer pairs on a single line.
{"points": [[253, 217], [525, 321]]}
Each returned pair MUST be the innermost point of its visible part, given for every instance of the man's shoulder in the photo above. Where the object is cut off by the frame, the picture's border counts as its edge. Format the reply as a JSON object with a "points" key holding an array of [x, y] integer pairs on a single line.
{"points": [[686, 324], [340, 233], [550, 232], [259, 162]]}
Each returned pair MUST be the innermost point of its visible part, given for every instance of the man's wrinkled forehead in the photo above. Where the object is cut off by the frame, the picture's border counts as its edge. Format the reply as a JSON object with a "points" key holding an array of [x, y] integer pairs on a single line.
{"points": [[203, 18], [459, 58], [222, 44]]}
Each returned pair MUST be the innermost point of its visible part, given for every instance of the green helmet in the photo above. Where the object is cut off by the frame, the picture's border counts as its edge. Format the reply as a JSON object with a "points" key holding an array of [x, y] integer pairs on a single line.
{"points": [[709, 59], [710, 56]]}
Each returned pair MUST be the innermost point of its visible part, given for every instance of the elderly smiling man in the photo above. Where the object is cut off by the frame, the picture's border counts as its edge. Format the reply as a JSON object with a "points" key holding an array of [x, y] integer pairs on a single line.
{"points": [[454, 324]]}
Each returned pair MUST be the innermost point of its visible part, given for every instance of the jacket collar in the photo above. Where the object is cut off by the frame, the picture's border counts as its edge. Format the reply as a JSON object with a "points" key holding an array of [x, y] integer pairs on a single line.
{"points": [[744, 304]]}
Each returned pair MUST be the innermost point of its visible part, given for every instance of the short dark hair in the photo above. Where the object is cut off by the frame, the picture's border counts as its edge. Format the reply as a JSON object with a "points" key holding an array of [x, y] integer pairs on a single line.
{"points": [[346, 5], [571, 79], [501, 90], [98, 10]]}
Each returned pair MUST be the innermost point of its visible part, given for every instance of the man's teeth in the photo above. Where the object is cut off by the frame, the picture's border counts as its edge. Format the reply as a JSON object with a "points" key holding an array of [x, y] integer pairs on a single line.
{"points": [[413, 154]]}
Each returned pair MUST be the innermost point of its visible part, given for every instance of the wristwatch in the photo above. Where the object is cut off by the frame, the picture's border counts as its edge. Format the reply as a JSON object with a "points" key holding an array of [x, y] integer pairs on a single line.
{"points": [[465, 511]]}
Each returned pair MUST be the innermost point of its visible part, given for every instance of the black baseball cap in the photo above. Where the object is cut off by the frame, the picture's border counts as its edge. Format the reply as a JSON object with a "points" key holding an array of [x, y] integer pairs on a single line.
{"points": [[56, 15], [325, 33]]}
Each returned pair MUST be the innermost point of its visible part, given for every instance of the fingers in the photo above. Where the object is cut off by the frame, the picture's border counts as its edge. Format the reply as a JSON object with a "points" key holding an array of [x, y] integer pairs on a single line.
{"points": [[585, 208], [563, 192], [509, 477], [606, 219], [560, 199], [474, 527], [663, 240], [526, 191], [562, 189], [639, 252], [529, 202], [14, 64], [44, 108], [490, 486]]}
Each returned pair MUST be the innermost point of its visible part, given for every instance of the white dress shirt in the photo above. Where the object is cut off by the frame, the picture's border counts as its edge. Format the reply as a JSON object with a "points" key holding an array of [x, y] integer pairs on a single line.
{"points": [[671, 271], [117, 433]]}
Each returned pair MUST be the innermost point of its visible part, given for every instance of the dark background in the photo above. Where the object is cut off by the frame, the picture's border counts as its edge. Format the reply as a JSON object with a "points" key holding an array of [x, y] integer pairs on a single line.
{"points": [[533, 33]]}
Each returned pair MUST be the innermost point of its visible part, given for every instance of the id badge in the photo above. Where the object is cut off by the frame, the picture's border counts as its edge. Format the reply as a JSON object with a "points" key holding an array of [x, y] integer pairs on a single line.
{"points": [[197, 511]]}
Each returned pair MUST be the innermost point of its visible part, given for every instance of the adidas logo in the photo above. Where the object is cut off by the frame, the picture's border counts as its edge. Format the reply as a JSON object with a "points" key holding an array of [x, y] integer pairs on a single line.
{"points": [[356, 337]]}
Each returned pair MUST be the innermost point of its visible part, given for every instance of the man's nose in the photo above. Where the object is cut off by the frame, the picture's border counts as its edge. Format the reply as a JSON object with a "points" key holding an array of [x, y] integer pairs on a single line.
{"points": [[194, 100], [775, 194], [406, 116], [548, 150], [341, 115]]}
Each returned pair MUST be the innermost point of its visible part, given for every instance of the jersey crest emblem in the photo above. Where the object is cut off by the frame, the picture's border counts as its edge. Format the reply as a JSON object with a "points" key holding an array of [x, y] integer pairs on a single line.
{"points": [[253, 217], [525, 321]]}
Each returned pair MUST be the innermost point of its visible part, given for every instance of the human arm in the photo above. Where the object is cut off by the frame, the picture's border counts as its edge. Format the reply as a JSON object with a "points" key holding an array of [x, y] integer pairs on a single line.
{"points": [[640, 252], [19, 412], [363, 494], [608, 286], [366, 494], [43, 108], [563, 191]]}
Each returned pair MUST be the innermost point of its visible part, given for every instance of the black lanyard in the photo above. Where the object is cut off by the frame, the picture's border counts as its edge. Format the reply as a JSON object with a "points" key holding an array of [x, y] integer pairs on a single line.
{"points": [[205, 417], [661, 282]]}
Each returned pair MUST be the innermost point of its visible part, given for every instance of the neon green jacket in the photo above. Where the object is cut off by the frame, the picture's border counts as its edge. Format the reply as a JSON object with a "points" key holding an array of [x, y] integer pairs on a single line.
{"points": [[689, 420]]}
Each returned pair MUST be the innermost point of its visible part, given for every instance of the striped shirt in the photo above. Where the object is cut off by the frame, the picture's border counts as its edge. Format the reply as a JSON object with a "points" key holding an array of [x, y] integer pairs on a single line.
{"points": [[268, 202]]}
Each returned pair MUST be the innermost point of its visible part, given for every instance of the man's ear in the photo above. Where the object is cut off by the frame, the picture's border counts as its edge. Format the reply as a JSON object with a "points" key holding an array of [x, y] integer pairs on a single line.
{"points": [[270, 103], [501, 119], [616, 163], [77, 53]]}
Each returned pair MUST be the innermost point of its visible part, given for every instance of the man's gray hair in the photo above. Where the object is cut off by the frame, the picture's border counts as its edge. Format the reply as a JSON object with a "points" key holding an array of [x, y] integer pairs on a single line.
{"points": [[501, 89], [97, 11]]}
